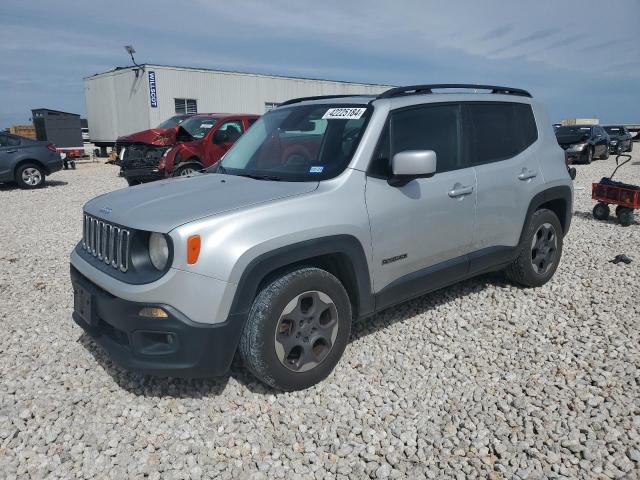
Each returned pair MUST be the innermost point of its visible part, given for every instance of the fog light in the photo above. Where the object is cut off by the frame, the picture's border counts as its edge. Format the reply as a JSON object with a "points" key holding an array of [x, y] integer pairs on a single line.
{"points": [[153, 312]]}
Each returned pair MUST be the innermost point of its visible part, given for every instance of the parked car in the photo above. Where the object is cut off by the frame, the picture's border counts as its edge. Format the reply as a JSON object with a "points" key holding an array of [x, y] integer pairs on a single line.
{"points": [[161, 136], [198, 142], [274, 254], [27, 162], [620, 139], [583, 143]]}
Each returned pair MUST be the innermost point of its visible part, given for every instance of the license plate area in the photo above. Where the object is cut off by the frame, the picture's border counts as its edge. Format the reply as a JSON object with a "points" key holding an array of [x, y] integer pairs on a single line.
{"points": [[83, 305]]}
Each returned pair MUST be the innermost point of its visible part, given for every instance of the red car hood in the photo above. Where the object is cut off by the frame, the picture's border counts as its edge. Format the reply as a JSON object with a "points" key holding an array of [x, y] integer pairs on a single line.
{"points": [[154, 136]]}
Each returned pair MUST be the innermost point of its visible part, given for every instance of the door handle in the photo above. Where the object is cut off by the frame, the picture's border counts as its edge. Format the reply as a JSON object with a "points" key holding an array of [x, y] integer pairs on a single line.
{"points": [[11, 151], [526, 174], [459, 191]]}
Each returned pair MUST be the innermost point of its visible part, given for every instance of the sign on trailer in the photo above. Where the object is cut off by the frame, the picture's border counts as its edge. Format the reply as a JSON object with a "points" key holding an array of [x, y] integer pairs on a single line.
{"points": [[153, 97]]}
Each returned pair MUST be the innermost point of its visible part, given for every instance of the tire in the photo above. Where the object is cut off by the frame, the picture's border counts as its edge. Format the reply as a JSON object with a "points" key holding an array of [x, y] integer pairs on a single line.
{"points": [[187, 170], [290, 363], [630, 149], [132, 183], [605, 156], [589, 158], [539, 251], [601, 211], [625, 216], [30, 176]]}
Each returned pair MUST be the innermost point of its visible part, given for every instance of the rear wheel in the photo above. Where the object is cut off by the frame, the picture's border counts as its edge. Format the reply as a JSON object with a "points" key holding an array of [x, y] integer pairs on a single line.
{"points": [[29, 176], [625, 216], [630, 149], [539, 251], [297, 330], [601, 211], [605, 155]]}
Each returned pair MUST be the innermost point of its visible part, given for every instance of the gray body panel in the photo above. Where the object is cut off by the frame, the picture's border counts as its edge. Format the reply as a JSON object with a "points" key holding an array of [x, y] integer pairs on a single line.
{"points": [[241, 219], [182, 200], [27, 151]]}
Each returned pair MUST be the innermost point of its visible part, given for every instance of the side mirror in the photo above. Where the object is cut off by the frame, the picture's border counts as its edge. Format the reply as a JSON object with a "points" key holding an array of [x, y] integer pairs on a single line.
{"points": [[220, 137], [412, 164]]}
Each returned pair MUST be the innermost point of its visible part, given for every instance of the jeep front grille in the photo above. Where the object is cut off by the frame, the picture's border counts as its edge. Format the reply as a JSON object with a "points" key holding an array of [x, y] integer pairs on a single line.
{"points": [[107, 242]]}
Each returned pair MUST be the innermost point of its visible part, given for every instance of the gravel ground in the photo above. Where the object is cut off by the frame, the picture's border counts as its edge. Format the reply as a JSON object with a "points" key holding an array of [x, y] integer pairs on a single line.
{"points": [[479, 380]]}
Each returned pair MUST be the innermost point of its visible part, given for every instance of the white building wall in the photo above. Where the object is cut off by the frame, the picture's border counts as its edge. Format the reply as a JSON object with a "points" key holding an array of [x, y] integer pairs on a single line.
{"points": [[118, 104]]}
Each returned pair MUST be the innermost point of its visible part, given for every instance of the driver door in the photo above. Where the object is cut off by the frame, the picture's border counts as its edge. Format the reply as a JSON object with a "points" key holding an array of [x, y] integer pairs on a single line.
{"points": [[422, 231], [216, 148]]}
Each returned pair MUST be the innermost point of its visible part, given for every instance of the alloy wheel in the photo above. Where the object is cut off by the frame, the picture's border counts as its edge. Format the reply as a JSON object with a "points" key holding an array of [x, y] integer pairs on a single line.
{"points": [[544, 247], [306, 331], [186, 171], [31, 176]]}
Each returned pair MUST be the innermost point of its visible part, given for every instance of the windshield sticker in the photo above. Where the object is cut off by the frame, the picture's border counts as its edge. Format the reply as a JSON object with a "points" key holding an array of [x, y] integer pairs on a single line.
{"points": [[343, 113], [206, 125], [316, 169]]}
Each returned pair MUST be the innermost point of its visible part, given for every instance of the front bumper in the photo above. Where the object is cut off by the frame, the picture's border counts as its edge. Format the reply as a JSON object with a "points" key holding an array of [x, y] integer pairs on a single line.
{"points": [[147, 174], [172, 346]]}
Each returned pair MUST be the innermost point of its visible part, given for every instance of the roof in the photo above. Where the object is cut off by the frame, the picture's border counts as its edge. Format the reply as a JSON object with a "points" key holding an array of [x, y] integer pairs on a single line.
{"points": [[53, 111], [217, 70]]}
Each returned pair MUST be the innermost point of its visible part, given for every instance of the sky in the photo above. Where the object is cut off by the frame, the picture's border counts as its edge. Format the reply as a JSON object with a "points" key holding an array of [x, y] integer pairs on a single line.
{"points": [[580, 57]]}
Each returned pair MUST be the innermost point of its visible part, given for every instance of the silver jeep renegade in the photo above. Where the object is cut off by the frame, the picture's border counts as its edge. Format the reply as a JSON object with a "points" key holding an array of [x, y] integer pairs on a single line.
{"points": [[326, 211]]}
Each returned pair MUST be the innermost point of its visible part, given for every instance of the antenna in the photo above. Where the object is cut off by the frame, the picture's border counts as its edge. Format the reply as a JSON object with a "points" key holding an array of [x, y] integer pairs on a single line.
{"points": [[130, 50]]}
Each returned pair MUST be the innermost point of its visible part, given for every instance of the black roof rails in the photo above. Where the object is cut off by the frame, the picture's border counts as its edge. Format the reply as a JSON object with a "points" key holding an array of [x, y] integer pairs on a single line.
{"points": [[422, 89], [319, 97]]}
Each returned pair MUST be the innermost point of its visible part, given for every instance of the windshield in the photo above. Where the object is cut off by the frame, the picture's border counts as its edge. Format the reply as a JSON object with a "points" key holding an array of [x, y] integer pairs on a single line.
{"points": [[198, 127], [573, 130], [298, 144], [614, 130], [172, 122]]}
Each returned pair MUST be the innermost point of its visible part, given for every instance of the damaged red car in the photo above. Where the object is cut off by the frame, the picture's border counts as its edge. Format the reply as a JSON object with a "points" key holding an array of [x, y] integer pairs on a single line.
{"points": [[199, 141]]}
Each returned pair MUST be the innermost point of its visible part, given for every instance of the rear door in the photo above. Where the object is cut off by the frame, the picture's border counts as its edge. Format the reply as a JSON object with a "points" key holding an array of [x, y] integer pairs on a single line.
{"points": [[502, 147]]}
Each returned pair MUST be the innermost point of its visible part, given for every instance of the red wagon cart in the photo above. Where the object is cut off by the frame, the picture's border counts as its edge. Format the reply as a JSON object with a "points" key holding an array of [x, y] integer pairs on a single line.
{"points": [[626, 197]]}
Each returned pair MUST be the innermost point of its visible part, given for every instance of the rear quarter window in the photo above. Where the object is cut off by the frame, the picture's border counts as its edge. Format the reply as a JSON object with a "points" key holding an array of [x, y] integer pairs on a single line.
{"points": [[498, 131]]}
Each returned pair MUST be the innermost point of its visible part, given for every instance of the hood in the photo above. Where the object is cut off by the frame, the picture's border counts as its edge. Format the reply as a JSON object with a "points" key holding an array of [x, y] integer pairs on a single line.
{"points": [[154, 136], [164, 205], [572, 138]]}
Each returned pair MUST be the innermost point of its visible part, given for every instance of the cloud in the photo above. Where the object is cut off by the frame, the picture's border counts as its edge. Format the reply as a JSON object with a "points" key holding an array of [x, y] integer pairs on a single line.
{"points": [[536, 45]]}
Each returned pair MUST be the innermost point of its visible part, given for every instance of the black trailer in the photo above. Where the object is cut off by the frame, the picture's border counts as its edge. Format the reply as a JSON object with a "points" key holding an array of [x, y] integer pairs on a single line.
{"points": [[61, 128]]}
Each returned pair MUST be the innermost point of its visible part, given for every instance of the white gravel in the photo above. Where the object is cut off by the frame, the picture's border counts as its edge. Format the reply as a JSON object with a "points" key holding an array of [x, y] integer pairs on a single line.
{"points": [[479, 380]]}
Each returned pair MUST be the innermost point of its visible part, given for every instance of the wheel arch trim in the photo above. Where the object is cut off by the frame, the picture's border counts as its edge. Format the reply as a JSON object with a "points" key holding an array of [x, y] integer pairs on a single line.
{"points": [[560, 193], [259, 269]]}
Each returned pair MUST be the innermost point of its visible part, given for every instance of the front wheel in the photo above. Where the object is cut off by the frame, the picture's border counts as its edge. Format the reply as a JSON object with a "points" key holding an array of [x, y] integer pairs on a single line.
{"points": [[297, 330], [601, 211], [589, 158], [29, 176], [605, 155], [539, 250], [186, 170]]}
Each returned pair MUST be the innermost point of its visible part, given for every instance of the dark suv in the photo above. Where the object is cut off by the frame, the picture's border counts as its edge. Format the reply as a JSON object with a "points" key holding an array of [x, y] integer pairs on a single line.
{"points": [[620, 139], [583, 143], [27, 161]]}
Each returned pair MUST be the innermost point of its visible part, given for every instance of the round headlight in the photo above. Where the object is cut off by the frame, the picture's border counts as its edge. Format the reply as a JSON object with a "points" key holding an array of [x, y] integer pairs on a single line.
{"points": [[158, 250]]}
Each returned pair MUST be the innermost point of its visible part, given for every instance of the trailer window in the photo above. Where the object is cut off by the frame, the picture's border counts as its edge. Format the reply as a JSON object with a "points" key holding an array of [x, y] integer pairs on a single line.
{"points": [[188, 106]]}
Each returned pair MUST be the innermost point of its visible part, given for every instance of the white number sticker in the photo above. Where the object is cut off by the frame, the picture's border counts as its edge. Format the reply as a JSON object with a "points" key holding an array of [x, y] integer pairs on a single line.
{"points": [[343, 113]]}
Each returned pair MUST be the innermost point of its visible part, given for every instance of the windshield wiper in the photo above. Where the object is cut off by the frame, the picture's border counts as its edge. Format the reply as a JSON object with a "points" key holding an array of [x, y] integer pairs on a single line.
{"points": [[259, 177]]}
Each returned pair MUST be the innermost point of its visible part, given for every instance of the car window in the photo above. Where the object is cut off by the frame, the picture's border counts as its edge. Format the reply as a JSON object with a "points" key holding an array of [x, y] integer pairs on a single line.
{"points": [[9, 141], [380, 165], [299, 143], [432, 127], [232, 125], [499, 131]]}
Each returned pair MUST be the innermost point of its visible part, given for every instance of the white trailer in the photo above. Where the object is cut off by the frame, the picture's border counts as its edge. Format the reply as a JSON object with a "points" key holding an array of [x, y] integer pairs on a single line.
{"points": [[131, 99]]}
